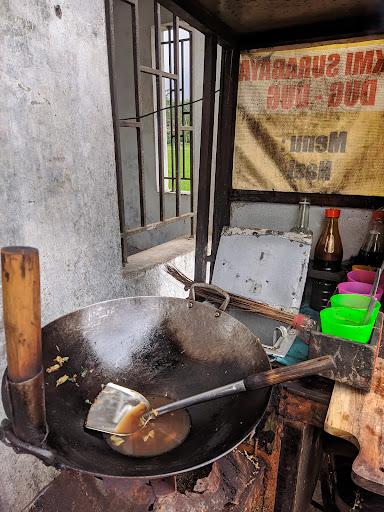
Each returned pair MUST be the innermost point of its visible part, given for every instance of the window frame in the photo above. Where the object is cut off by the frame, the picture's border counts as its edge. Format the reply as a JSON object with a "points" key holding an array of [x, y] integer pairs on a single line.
{"points": [[135, 123], [183, 128]]}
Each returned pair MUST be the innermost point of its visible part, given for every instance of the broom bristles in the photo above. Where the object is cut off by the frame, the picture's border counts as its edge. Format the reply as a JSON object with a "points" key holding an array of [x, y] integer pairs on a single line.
{"points": [[236, 301]]}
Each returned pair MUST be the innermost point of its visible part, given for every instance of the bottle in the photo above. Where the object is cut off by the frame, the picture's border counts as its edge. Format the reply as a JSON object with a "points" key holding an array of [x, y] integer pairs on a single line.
{"points": [[328, 258], [302, 222], [372, 250], [329, 249]]}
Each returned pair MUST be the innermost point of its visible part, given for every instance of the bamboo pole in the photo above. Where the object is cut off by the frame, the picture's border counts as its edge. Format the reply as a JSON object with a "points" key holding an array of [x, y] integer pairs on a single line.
{"points": [[22, 312], [24, 385]]}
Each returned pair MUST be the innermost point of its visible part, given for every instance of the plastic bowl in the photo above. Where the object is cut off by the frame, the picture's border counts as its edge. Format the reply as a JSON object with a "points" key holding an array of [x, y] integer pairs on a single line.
{"points": [[358, 288], [363, 267], [350, 300], [346, 323], [363, 276]]}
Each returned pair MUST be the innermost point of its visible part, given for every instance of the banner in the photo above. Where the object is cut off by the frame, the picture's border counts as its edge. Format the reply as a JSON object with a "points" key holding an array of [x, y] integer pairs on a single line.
{"points": [[311, 120]]}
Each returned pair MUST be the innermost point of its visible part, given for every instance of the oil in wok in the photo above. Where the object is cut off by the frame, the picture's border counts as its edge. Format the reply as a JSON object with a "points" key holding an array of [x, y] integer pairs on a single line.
{"points": [[159, 436]]}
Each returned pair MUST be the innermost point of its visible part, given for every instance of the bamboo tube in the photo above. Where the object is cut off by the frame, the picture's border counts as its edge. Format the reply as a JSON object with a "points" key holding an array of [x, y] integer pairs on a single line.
{"points": [[22, 313]]}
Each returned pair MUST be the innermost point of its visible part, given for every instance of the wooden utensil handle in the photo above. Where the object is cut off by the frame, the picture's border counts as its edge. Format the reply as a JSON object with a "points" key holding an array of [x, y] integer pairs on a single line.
{"points": [[21, 311], [296, 371]]}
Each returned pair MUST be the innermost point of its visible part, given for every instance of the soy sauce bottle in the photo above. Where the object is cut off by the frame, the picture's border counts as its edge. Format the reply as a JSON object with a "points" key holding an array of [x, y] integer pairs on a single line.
{"points": [[372, 250], [329, 249], [328, 258]]}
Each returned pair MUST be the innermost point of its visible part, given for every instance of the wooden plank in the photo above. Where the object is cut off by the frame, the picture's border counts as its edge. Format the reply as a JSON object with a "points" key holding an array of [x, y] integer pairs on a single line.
{"points": [[330, 200], [225, 145], [157, 72], [303, 409], [200, 18], [205, 169], [288, 467], [268, 443], [138, 96], [354, 361], [295, 455], [176, 86], [295, 408], [357, 416], [159, 105], [124, 123], [110, 32], [288, 443], [299, 465], [191, 137], [154, 225], [308, 469], [326, 30]]}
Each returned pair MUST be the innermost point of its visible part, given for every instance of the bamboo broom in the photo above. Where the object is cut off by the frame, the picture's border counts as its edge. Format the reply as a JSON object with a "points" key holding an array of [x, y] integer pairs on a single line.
{"points": [[298, 321]]}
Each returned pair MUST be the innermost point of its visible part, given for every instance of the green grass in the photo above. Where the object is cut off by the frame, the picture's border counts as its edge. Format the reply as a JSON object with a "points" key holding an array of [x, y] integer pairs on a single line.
{"points": [[185, 185]]}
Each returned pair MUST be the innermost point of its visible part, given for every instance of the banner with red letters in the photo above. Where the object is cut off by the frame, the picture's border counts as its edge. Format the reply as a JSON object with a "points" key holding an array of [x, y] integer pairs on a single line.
{"points": [[311, 120]]}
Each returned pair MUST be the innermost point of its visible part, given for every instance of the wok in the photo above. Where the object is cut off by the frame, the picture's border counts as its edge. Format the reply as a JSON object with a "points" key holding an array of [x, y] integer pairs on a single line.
{"points": [[157, 346]]}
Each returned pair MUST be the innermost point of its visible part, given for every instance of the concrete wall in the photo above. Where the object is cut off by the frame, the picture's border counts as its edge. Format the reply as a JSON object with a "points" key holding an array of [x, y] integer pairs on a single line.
{"points": [[353, 222], [57, 175]]}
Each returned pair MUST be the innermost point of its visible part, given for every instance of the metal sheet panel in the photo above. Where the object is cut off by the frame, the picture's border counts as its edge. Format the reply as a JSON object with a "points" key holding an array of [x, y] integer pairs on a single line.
{"points": [[264, 265]]}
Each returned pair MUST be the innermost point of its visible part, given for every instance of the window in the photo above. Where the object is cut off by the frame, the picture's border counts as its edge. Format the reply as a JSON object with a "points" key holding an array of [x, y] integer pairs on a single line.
{"points": [[185, 108], [151, 66]]}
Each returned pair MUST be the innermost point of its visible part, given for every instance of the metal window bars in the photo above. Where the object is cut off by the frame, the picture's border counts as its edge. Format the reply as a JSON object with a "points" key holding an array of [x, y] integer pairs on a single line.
{"points": [[184, 108], [179, 129]]}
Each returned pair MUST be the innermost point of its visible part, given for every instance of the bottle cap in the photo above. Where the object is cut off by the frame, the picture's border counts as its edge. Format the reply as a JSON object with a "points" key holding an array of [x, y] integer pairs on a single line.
{"points": [[378, 215], [332, 212]]}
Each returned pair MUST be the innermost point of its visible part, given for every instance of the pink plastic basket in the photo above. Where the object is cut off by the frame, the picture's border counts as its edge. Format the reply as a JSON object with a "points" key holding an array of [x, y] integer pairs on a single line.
{"points": [[359, 288], [363, 276]]}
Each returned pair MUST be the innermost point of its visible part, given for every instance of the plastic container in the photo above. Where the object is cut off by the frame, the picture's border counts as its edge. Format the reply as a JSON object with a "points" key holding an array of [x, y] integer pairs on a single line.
{"points": [[363, 267], [363, 276], [358, 288], [350, 300], [346, 323]]}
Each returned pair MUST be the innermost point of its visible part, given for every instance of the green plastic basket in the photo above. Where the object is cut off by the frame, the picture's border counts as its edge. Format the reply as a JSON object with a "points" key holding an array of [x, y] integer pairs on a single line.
{"points": [[351, 300], [346, 323]]}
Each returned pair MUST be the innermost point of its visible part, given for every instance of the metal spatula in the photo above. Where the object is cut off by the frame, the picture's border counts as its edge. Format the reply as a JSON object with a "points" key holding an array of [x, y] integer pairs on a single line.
{"points": [[374, 288], [115, 402]]}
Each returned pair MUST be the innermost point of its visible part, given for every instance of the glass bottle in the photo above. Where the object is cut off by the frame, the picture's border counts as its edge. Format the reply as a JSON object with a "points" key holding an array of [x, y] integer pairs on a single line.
{"points": [[328, 258], [329, 249], [302, 222], [372, 250]]}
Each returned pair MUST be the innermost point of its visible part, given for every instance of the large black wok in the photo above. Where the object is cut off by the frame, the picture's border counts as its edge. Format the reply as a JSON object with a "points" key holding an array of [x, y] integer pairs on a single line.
{"points": [[156, 346]]}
